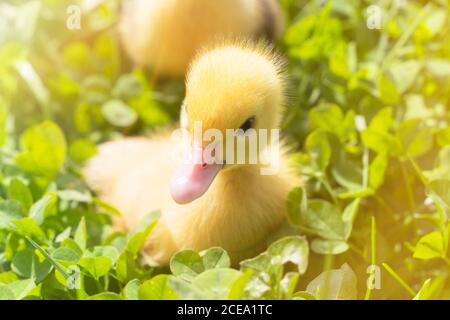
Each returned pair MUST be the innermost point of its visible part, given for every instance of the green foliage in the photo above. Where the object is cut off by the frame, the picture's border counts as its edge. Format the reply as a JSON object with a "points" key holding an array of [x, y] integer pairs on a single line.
{"points": [[368, 119]]}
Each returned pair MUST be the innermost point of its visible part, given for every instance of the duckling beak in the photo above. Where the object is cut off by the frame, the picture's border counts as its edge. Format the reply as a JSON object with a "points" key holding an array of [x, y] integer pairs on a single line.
{"points": [[193, 178]]}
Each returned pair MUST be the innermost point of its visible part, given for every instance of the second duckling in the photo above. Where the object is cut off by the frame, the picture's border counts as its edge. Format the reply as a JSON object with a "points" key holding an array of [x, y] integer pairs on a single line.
{"points": [[164, 35]]}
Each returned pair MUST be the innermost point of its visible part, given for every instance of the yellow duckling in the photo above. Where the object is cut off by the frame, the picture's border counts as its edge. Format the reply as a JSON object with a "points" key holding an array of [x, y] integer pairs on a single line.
{"points": [[206, 204], [165, 34]]}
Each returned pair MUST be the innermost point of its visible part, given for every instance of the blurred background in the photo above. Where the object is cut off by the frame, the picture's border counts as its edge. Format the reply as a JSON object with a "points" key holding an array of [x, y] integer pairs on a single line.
{"points": [[367, 117]]}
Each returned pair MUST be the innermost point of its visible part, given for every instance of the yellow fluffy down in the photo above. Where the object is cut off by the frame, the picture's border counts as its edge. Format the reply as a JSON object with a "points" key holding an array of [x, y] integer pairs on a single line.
{"points": [[165, 34], [242, 207]]}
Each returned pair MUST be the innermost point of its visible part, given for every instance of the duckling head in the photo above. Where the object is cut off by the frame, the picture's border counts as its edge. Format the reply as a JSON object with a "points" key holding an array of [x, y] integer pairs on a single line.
{"points": [[234, 93]]}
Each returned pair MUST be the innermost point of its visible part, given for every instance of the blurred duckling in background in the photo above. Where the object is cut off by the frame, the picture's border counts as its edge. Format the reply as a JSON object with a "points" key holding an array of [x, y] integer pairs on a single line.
{"points": [[203, 205], [164, 35]]}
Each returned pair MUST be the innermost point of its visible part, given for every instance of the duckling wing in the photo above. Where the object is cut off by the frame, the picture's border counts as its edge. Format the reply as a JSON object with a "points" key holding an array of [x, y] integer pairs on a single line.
{"points": [[133, 175]]}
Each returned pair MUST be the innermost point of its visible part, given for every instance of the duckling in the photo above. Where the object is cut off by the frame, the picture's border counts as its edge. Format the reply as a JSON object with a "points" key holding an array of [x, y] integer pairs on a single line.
{"points": [[205, 204], [164, 35]]}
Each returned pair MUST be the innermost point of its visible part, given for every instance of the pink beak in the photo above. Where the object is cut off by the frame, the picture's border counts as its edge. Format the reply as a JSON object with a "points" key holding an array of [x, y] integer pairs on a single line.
{"points": [[193, 178]]}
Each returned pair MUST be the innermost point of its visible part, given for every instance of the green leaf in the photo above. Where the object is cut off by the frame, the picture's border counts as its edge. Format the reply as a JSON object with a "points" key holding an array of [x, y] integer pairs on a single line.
{"points": [[296, 204], [377, 170], [327, 247], [261, 263], [28, 14], [6, 293], [3, 122], [348, 173], [216, 283], [303, 295], [119, 114], [8, 277], [381, 141], [186, 290], [139, 234], [66, 256], [127, 87], [80, 236], [28, 227], [349, 216], [335, 284], [104, 251], [292, 249], [431, 288], [187, 264], [28, 264], [71, 244], [326, 116], [356, 193], [82, 149], [97, 267], [215, 258], [42, 253], [416, 137], [439, 191], [106, 48], [44, 149], [126, 268], [338, 61], [387, 91], [430, 246], [435, 21], [405, 73], [289, 283], [383, 120], [325, 220], [443, 137], [157, 288], [29, 74], [237, 290], [43, 208], [18, 191], [10, 210], [74, 195], [416, 107], [438, 67], [21, 288], [131, 290], [76, 54], [319, 148], [107, 207], [105, 296]]}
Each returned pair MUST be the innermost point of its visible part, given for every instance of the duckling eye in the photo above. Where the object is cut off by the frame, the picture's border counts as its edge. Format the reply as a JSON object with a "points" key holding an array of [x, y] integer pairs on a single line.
{"points": [[247, 124]]}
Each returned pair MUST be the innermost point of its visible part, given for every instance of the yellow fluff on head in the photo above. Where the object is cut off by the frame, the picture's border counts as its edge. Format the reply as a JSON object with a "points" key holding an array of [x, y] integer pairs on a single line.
{"points": [[235, 79]]}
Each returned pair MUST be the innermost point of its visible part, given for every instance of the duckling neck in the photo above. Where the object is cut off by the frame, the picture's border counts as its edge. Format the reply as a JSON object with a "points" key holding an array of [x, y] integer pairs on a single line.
{"points": [[241, 207], [243, 193]]}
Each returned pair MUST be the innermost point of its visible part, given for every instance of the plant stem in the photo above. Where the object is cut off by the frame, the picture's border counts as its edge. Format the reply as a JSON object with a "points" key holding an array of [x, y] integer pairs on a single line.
{"points": [[399, 279], [329, 190]]}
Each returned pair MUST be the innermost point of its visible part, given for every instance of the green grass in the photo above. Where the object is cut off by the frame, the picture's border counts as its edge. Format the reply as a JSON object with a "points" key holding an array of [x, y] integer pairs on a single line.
{"points": [[368, 118]]}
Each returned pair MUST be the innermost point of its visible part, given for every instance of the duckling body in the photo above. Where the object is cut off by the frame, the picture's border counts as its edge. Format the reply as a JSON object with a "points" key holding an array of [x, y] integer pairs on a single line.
{"points": [[164, 35], [238, 212], [241, 207]]}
